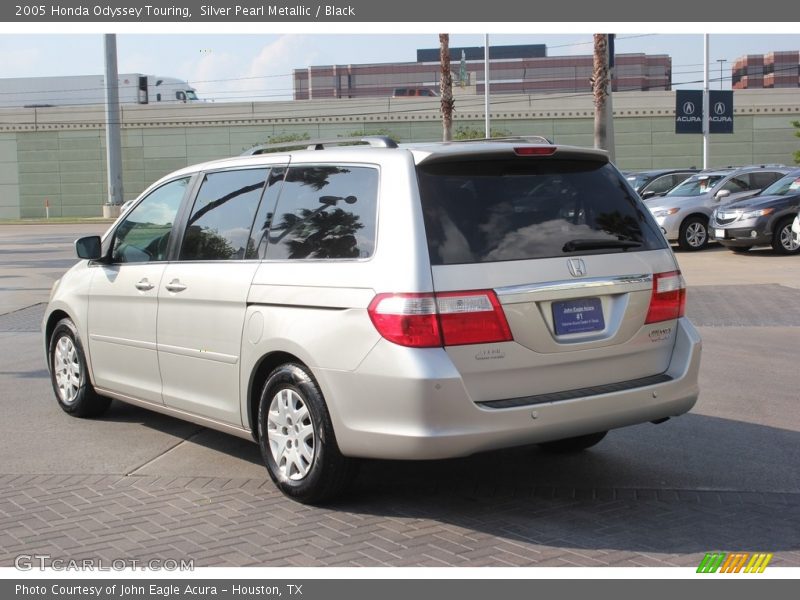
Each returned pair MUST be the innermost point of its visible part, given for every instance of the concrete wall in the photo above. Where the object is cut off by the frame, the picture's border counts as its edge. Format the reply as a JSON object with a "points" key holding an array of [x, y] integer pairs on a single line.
{"points": [[57, 155]]}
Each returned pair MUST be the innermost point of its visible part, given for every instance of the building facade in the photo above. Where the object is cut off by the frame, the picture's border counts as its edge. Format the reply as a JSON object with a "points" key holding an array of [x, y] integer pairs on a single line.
{"points": [[772, 70], [512, 70]]}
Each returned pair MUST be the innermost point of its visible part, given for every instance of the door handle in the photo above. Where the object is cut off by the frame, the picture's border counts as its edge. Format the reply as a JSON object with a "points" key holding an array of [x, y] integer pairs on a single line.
{"points": [[144, 285], [175, 286]]}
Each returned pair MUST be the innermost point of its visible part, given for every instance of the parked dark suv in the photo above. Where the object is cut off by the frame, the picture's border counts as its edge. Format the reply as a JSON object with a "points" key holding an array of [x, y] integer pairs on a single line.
{"points": [[765, 219]]}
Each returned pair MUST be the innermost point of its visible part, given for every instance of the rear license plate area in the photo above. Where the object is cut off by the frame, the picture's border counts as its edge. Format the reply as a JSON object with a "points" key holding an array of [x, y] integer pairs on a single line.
{"points": [[581, 315]]}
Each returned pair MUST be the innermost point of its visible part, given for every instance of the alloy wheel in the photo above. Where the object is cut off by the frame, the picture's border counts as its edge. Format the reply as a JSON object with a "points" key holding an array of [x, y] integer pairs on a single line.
{"points": [[290, 432], [67, 369]]}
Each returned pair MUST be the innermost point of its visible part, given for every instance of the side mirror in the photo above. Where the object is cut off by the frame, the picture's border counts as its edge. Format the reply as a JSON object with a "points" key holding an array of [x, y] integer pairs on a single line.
{"points": [[648, 194], [722, 194], [88, 247]]}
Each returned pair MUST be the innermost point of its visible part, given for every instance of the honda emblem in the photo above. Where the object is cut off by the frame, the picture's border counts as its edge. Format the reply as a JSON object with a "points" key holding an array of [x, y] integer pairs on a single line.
{"points": [[576, 267]]}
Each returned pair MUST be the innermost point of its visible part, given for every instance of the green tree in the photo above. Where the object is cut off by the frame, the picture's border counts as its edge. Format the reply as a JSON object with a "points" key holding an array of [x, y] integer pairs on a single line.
{"points": [[466, 132], [283, 139]]}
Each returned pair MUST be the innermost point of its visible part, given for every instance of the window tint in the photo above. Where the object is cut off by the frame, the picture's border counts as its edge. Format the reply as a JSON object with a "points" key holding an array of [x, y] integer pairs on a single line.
{"points": [[144, 234], [258, 238], [659, 185], [489, 211], [325, 211], [763, 179], [736, 184], [222, 216]]}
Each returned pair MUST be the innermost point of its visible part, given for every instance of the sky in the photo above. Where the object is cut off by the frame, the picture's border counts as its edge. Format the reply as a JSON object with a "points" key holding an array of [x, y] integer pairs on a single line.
{"points": [[253, 67]]}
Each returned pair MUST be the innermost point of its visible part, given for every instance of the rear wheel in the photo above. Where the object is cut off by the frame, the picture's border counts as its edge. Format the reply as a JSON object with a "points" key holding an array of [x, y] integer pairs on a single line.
{"points": [[693, 234], [69, 375], [297, 440], [574, 444], [783, 240]]}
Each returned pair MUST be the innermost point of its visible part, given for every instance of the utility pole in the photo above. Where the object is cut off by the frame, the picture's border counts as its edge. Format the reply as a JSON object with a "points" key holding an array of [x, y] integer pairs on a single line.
{"points": [[601, 80], [486, 103], [113, 145], [446, 87], [705, 101], [721, 62]]}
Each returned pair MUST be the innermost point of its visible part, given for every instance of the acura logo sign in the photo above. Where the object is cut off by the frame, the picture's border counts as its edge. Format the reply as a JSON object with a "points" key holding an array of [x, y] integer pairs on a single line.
{"points": [[688, 108], [577, 267], [719, 108]]}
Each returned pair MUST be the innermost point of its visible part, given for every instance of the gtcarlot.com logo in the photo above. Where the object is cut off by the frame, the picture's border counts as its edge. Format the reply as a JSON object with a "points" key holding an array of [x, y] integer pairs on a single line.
{"points": [[734, 562]]}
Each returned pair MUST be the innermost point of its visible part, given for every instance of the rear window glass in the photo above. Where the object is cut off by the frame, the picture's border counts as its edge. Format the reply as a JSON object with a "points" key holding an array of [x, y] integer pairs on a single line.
{"points": [[499, 210]]}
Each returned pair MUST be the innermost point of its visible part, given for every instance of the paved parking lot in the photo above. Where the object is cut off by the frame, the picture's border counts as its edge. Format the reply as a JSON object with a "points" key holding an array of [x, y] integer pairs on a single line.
{"points": [[135, 484]]}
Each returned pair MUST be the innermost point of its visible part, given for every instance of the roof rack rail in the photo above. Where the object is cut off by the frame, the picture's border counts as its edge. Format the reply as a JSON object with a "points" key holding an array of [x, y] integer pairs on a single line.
{"points": [[528, 139], [375, 141]]}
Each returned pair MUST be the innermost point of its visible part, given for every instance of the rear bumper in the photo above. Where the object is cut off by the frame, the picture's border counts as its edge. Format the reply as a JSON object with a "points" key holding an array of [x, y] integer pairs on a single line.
{"points": [[421, 410]]}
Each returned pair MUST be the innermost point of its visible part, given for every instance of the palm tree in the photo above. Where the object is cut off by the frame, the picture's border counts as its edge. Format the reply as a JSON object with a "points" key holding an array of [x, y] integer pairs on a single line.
{"points": [[600, 90], [446, 87]]}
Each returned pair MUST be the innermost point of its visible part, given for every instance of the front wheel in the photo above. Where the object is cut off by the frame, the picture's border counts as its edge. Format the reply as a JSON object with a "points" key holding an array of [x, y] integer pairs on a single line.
{"points": [[784, 240], [574, 444], [693, 234], [296, 438], [69, 374]]}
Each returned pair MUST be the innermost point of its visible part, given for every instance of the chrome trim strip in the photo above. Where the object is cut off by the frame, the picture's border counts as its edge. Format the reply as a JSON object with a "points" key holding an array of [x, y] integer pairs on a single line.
{"points": [[630, 282], [180, 414], [228, 359], [122, 341]]}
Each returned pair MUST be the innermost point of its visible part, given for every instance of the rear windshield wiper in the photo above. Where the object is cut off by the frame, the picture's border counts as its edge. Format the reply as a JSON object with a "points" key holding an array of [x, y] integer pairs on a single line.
{"points": [[589, 244]]}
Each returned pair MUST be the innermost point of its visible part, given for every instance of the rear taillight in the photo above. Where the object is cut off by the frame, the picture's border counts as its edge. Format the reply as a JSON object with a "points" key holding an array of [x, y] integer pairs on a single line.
{"points": [[444, 319], [668, 300]]}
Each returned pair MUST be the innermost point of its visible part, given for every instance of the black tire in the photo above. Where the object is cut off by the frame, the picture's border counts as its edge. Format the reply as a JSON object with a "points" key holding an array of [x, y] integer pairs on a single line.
{"points": [[693, 234], [308, 469], [573, 444], [69, 374], [739, 249], [783, 238]]}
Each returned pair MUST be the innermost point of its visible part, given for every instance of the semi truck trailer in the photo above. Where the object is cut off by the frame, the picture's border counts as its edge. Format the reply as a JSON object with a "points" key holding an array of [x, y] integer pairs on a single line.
{"points": [[78, 90]]}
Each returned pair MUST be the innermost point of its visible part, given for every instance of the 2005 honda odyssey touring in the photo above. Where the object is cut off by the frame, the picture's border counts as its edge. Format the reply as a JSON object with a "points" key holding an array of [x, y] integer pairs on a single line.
{"points": [[418, 302]]}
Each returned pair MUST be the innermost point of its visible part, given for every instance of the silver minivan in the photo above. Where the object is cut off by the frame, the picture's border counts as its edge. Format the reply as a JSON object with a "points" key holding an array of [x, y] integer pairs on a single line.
{"points": [[377, 301]]}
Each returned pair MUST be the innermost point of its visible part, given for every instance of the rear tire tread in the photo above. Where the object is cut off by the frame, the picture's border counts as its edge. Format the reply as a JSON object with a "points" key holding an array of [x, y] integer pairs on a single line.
{"points": [[331, 472]]}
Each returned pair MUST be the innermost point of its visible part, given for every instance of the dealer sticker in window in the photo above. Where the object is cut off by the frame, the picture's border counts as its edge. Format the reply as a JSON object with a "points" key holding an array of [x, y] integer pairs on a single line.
{"points": [[578, 316]]}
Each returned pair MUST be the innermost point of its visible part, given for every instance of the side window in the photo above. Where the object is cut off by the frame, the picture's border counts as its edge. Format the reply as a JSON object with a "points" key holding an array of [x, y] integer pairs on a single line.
{"points": [[763, 179], [144, 234], [659, 185], [258, 238], [325, 211], [222, 216], [736, 185]]}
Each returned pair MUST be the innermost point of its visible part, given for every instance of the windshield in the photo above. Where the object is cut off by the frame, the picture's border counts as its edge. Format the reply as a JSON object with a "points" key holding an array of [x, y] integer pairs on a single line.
{"points": [[190, 95], [696, 185], [784, 187]]}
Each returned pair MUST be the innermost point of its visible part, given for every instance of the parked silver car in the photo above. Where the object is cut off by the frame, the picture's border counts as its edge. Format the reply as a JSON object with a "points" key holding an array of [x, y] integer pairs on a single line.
{"points": [[684, 212], [379, 301]]}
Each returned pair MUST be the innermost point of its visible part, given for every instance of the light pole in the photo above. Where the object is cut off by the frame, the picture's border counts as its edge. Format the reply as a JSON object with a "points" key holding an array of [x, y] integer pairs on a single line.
{"points": [[721, 61]]}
